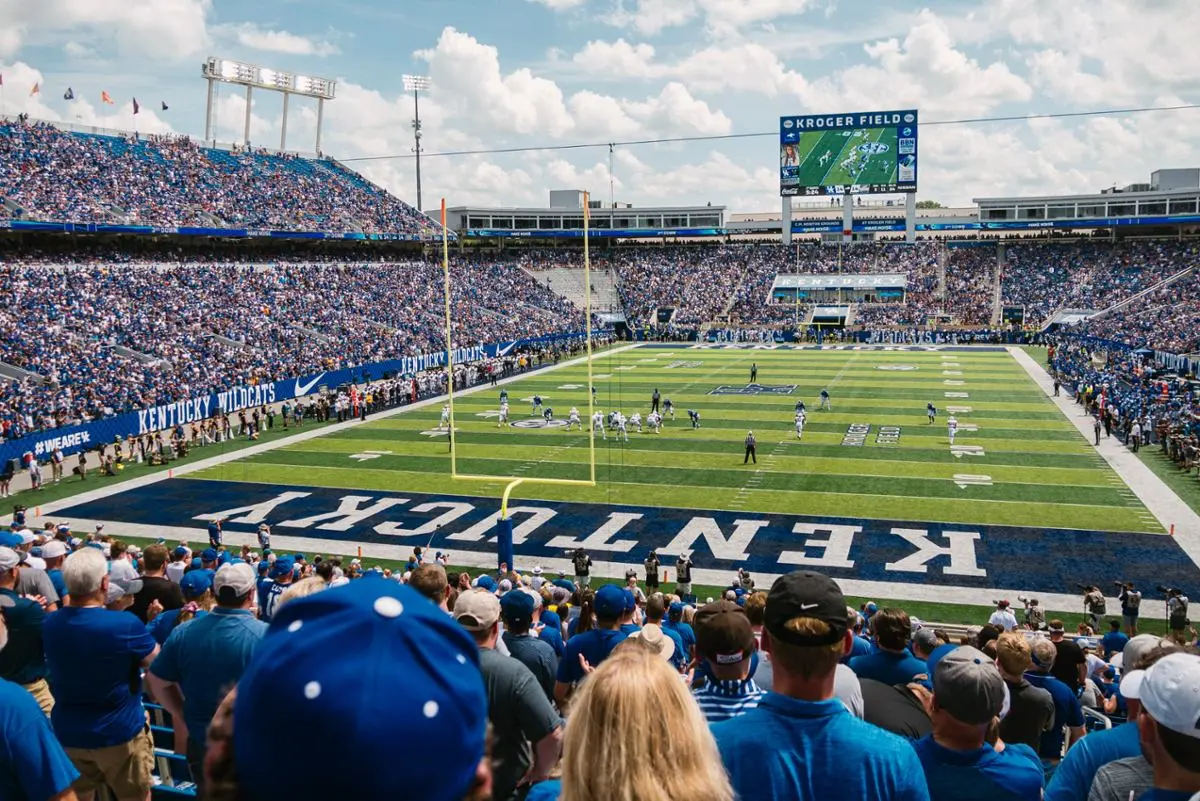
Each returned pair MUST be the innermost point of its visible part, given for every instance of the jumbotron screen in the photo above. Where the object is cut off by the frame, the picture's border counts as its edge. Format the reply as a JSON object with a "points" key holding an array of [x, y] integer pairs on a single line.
{"points": [[866, 153]]}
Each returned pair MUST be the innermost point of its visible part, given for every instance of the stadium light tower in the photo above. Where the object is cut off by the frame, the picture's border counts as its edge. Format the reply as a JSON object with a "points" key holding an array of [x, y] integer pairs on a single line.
{"points": [[253, 77], [417, 84]]}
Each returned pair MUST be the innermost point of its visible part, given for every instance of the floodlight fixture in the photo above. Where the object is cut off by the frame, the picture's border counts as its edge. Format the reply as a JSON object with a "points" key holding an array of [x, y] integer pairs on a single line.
{"points": [[417, 84], [252, 76]]}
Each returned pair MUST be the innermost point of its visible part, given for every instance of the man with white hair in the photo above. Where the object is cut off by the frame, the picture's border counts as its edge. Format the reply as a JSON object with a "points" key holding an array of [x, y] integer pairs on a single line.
{"points": [[200, 661], [95, 656], [32, 763]]}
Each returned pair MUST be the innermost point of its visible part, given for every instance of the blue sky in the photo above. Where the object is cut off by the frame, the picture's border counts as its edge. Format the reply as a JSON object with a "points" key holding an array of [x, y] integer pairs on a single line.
{"points": [[521, 73]]}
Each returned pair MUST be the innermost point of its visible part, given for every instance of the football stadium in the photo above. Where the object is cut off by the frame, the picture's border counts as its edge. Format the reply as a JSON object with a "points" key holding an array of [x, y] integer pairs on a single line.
{"points": [[455, 487]]}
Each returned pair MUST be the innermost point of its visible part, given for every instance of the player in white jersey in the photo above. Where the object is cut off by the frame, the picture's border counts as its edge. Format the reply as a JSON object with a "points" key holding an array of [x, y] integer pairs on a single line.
{"points": [[598, 424], [621, 431], [800, 420], [635, 419], [654, 420], [503, 414], [573, 419], [951, 427], [445, 422]]}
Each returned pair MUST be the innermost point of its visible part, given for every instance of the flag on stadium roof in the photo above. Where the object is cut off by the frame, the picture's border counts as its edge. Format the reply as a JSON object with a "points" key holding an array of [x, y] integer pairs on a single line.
{"points": [[136, 107], [37, 87], [69, 94], [164, 105], [106, 97]]}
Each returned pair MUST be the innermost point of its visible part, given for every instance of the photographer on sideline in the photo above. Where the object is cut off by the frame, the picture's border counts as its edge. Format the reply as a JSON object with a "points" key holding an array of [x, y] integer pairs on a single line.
{"points": [[1177, 613], [1131, 601], [1094, 603], [1035, 616]]}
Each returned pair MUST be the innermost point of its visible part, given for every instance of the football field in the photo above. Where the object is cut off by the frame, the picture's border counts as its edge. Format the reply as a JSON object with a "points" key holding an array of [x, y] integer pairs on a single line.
{"points": [[873, 493], [838, 146]]}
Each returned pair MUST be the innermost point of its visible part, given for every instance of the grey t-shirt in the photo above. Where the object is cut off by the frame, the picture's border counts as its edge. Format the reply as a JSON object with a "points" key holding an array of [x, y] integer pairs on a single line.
{"points": [[1117, 780], [521, 715], [34, 581]]}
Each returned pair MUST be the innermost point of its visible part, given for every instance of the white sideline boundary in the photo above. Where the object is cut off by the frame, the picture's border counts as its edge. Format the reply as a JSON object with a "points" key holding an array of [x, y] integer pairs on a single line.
{"points": [[1157, 499]]}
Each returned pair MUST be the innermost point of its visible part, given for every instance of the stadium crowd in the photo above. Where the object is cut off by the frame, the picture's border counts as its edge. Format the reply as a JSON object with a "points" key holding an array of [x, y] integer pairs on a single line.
{"points": [[522, 686], [55, 175], [196, 328]]}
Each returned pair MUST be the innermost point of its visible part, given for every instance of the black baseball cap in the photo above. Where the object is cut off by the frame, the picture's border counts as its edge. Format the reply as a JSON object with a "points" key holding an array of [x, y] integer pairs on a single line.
{"points": [[804, 593]]}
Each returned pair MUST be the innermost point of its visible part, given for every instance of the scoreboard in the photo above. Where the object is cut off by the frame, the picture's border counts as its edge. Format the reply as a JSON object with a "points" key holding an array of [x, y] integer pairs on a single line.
{"points": [[864, 153]]}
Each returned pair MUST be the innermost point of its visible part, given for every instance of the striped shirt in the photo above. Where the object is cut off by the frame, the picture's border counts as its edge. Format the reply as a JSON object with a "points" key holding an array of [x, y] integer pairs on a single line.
{"points": [[728, 698]]}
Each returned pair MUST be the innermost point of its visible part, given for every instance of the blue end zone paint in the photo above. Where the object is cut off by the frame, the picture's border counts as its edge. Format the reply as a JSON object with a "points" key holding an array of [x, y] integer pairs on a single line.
{"points": [[1029, 559]]}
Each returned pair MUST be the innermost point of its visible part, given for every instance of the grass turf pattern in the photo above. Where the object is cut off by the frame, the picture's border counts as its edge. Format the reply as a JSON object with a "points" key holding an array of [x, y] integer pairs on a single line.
{"points": [[1039, 471]]}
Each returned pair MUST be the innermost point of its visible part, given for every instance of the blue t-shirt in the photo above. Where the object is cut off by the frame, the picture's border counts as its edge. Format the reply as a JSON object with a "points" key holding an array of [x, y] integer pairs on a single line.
{"points": [[887, 667], [206, 657], [679, 658], [1067, 712], [786, 749], [161, 627], [214, 534], [1015, 774], [270, 597], [33, 766], [1114, 642], [60, 584], [553, 635], [548, 790], [94, 655], [685, 632], [595, 645], [860, 646], [1073, 779]]}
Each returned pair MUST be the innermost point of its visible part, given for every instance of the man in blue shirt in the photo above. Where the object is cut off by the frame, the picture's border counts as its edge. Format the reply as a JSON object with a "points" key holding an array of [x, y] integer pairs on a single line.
{"points": [[95, 656], [24, 661], [968, 694], [1114, 641], [892, 663], [203, 658], [280, 575], [725, 641], [595, 645], [686, 633], [33, 765], [517, 609], [1073, 779], [800, 742], [1067, 711]]}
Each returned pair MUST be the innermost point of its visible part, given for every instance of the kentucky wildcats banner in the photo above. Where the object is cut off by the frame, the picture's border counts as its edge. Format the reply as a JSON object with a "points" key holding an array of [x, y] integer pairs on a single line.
{"points": [[72, 439]]}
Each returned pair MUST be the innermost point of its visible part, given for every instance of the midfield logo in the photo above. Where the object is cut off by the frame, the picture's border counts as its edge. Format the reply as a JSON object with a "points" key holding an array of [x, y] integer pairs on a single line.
{"points": [[754, 389], [539, 423]]}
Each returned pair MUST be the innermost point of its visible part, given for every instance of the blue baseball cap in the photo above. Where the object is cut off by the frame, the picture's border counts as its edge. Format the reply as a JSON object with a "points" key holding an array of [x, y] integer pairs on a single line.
{"points": [[517, 606], [10, 540], [630, 601], [224, 557], [195, 583], [676, 609], [299, 557], [282, 567], [197, 562], [551, 619], [566, 584], [208, 555], [609, 602], [263, 567], [180, 551], [486, 582], [436, 717]]}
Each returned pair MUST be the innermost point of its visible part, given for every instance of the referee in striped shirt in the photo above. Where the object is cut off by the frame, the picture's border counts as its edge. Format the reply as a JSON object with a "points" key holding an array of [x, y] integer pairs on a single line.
{"points": [[725, 641]]}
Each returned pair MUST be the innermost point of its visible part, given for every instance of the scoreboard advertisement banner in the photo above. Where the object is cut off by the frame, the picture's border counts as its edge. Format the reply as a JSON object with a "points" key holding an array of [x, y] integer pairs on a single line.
{"points": [[865, 153]]}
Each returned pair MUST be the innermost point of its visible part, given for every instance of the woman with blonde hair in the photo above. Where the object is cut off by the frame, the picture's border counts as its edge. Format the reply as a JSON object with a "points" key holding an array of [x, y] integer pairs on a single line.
{"points": [[613, 751]]}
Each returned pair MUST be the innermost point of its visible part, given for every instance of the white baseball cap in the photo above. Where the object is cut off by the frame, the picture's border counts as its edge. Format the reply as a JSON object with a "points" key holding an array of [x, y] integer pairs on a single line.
{"points": [[1168, 693]]}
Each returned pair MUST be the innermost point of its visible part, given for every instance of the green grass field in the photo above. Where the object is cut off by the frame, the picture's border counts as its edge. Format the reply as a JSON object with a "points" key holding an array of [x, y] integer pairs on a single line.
{"points": [[1029, 467], [816, 168]]}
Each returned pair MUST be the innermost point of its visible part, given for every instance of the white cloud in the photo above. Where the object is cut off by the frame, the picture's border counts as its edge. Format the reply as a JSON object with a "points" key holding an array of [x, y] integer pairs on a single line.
{"points": [[721, 17], [560, 5], [159, 29], [48, 104], [251, 35]]}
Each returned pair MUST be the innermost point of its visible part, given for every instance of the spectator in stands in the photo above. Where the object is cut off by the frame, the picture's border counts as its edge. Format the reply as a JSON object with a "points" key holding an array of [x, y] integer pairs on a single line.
{"points": [[1068, 714], [155, 584], [725, 641], [23, 661], [95, 656], [1114, 641], [518, 608], [436, 718], [1030, 709], [1167, 725], [196, 586], [891, 663], [1070, 664], [1074, 777], [801, 742], [527, 730], [959, 763], [1003, 616], [593, 645], [656, 611], [200, 662], [430, 580], [32, 763], [901, 709], [669, 754]]}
